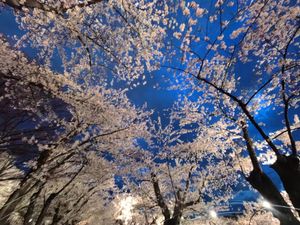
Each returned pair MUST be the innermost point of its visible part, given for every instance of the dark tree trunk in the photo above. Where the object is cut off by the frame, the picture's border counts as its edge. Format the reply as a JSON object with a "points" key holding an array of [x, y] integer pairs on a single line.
{"points": [[45, 208], [263, 184], [173, 221], [288, 169]]}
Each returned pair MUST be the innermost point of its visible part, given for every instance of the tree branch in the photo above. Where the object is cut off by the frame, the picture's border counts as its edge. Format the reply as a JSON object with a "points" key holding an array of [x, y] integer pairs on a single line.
{"points": [[160, 201], [250, 149]]}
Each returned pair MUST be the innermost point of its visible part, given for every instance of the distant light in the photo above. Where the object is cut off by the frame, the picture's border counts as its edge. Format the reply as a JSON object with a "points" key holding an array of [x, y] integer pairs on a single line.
{"points": [[126, 205], [266, 204], [213, 214]]}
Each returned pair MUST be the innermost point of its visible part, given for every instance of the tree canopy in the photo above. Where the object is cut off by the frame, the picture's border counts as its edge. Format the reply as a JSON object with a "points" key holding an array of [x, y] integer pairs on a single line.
{"points": [[77, 148]]}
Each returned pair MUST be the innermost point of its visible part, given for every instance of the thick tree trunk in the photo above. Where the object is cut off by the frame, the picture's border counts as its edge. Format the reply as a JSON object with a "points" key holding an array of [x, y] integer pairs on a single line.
{"points": [[288, 169], [176, 217], [280, 209], [173, 221]]}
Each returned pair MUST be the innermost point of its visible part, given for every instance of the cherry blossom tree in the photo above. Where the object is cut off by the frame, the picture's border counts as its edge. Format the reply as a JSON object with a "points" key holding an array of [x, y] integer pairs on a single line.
{"points": [[93, 39], [174, 179], [62, 112], [214, 43], [67, 140], [68, 110]]}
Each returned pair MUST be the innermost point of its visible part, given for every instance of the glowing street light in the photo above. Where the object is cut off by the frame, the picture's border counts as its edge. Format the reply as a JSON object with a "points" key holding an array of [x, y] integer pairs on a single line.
{"points": [[126, 205], [213, 214], [266, 204]]}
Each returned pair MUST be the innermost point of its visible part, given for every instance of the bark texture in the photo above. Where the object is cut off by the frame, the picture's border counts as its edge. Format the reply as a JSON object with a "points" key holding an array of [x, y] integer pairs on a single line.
{"points": [[280, 209], [288, 169]]}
